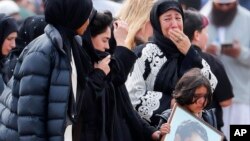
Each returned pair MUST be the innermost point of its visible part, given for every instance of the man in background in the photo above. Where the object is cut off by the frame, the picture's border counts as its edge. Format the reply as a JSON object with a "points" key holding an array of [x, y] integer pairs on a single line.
{"points": [[232, 47]]}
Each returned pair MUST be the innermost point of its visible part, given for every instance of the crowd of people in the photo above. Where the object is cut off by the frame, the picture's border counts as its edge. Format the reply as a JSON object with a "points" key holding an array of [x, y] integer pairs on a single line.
{"points": [[102, 70]]}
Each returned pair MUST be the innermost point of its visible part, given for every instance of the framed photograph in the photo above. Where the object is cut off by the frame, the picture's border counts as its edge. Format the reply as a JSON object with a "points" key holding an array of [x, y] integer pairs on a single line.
{"points": [[187, 127]]}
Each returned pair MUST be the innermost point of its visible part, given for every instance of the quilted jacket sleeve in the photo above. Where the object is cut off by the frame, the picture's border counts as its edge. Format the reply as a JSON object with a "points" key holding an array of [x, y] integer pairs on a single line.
{"points": [[31, 84]]}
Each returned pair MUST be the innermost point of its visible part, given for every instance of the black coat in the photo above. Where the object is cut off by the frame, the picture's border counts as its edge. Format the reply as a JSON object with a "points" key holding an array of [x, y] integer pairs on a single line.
{"points": [[112, 117], [127, 124], [152, 61]]}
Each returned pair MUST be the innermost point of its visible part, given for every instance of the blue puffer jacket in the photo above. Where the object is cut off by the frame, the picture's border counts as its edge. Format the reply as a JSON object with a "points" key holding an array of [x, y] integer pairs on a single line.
{"points": [[8, 116], [42, 83]]}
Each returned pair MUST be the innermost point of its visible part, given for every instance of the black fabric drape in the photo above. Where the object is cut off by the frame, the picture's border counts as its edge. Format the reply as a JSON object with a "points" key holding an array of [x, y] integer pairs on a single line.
{"points": [[88, 46], [83, 67], [168, 74]]}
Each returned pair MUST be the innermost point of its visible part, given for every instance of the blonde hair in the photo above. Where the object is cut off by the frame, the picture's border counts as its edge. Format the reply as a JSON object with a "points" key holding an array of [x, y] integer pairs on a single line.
{"points": [[136, 13]]}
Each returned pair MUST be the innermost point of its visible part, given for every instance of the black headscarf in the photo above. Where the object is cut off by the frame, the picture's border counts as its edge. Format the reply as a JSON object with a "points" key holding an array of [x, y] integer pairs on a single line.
{"points": [[168, 74], [70, 14], [31, 28], [7, 26], [86, 38], [67, 16], [159, 8]]}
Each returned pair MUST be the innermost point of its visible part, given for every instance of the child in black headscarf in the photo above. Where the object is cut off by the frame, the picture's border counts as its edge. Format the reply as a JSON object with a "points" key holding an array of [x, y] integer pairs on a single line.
{"points": [[49, 78], [162, 62]]}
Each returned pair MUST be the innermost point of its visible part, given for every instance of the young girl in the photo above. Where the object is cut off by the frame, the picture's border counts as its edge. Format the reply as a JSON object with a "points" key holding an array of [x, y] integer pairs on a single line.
{"points": [[193, 93]]}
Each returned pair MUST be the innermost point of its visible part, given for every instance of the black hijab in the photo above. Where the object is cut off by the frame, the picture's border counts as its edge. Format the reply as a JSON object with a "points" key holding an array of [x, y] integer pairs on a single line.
{"points": [[67, 16], [159, 8], [7, 26], [31, 28], [168, 74], [70, 14], [98, 24]]}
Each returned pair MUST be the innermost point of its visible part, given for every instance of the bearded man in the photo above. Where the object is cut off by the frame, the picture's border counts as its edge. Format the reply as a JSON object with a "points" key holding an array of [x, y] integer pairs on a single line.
{"points": [[229, 40]]}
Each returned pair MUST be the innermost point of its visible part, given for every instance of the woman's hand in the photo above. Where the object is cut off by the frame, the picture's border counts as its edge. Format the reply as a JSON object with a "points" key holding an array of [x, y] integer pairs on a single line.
{"points": [[165, 128], [181, 40], [156, 136], [104, 64], [120, 32]]}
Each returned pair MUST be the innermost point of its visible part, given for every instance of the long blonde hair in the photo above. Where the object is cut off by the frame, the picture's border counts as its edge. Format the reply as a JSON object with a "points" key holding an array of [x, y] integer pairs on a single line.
{"points": [[136, 13]]}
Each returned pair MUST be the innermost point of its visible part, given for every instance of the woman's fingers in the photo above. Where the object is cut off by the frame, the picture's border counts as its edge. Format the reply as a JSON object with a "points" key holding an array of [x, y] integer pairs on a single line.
{"points": [[181, 41], [165, 128], [104, 64], [176, 35], [107, 59]]}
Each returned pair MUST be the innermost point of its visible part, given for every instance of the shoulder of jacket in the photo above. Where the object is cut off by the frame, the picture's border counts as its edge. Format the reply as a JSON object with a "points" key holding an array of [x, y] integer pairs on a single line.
{"points": [[209, 117], [41, 45], [165, 114]]}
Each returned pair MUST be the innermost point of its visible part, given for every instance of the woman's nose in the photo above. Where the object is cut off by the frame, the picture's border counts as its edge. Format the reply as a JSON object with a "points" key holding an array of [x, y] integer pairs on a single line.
{"points": [[202, 100], [174, 23], [107, 46], [13, 44]]}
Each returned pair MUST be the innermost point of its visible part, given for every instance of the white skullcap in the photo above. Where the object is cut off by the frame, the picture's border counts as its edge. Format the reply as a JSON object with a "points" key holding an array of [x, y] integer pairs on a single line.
{"points": [[8, 7]]}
